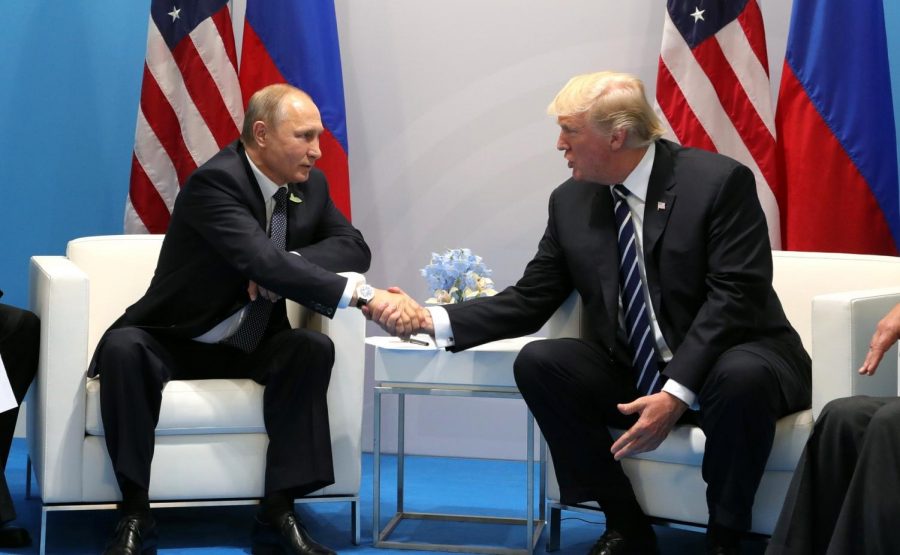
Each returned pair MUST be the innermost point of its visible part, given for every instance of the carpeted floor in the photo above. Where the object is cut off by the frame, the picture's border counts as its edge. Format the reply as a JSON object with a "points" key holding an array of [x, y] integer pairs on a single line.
{"points": [[455, 486]]}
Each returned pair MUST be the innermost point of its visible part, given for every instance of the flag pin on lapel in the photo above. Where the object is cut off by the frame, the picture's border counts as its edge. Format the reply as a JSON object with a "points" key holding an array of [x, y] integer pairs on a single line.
{"points": [[295, 199], [660, 206]]}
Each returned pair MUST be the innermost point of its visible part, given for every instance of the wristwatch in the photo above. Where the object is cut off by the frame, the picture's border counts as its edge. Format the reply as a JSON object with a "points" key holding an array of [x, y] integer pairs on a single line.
{"points": [[364, 294]]}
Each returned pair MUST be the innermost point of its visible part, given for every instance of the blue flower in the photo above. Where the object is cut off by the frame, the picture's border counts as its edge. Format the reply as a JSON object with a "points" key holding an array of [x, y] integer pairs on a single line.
{"points": [[457, 275]]}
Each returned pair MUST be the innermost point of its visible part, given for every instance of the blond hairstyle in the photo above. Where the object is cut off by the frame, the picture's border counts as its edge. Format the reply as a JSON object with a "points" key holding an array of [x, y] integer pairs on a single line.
{"points": [[612, 101], [266, 106]]}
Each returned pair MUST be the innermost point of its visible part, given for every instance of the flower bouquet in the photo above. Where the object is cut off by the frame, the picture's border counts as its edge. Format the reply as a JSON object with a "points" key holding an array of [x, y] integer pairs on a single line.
{"points": [[457, 276]]}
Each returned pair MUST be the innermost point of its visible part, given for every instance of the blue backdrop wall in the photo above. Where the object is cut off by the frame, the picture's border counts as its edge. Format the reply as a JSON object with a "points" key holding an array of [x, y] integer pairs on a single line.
{"points": [[70, 77]]}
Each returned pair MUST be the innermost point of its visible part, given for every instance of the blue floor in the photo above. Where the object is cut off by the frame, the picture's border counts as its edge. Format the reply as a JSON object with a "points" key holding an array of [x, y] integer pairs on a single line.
{"points": [[460, 486]]}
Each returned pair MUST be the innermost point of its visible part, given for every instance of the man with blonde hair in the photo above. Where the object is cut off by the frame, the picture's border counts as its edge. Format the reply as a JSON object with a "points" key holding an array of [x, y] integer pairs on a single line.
{"points": [[669, 250], [252, 225]]}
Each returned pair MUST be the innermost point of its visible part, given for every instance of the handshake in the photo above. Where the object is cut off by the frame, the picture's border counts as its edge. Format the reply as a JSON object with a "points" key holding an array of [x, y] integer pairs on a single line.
{"points": [[397, 313]]}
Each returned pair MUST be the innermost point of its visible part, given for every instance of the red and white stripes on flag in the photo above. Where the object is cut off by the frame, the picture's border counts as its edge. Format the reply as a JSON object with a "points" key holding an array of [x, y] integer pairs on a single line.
{"points": [[712, 88], [190, 105]]}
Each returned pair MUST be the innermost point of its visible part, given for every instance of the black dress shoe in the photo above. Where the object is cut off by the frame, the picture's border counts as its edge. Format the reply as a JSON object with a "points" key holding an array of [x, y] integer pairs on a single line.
{"points": [[614, 543], [286, 535], [14, 536], [134, 535]]}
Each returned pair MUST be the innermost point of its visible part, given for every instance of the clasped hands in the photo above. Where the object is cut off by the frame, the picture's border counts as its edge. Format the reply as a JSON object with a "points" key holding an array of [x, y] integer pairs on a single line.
{"points": [[397, 313], [392, 309]]}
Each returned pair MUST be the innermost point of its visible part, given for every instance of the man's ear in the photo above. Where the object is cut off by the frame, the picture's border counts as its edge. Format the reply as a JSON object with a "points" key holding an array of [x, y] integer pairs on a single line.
{"points": [[617, 138], [259, 133]]}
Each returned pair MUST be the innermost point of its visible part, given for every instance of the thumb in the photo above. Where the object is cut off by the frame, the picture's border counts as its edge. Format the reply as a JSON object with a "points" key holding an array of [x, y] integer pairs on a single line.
{"points": [[629, 408], [253, 290], [395, 289]]}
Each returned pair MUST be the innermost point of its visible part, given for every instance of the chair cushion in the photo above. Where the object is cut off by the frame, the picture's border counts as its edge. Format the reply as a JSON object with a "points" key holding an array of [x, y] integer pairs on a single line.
{"points": [[685, 443], [196, 407]]}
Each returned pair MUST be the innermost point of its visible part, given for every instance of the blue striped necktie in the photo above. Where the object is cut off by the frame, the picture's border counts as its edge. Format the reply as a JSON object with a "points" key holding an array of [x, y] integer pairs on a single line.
{"points": [[256, 320], [634, 305]]}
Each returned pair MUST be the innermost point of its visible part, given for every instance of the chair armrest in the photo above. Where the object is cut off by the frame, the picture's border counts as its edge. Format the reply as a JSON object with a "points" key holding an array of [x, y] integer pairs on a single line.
{"points": [[347, 330], [56, 406], [842, 325], [566, 321]]}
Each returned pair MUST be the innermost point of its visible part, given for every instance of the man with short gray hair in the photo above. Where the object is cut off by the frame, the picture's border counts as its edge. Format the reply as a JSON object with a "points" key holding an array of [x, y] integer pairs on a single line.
{"points": [[252, 226]]}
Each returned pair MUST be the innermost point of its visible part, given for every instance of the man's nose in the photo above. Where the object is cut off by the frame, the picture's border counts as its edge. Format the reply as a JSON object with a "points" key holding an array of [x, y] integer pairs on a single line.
{"points": [[314, 151], [560, 143]]}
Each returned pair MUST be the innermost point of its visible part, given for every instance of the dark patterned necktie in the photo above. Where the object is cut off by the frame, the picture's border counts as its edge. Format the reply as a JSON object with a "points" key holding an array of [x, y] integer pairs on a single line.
{"points": [[256, 320], [637, 317]]}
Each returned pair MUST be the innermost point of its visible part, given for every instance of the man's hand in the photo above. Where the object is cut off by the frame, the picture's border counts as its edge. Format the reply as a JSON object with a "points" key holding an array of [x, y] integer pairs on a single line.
{"points": [[658, 414], [254, 290], [396, 312], [887, 332]]}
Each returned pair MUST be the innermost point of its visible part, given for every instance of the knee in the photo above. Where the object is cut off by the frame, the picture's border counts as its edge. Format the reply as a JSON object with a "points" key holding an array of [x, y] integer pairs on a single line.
{"points": [[847, 413], [118, 349], [322, 347], [311, 346], [529, 361], [886, 420], [840, 409], [740, 381]]}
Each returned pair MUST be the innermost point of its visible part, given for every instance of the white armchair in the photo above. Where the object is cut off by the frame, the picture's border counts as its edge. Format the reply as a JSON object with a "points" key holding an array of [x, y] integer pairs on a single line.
{"points": [[830, 300], [211, 440]]}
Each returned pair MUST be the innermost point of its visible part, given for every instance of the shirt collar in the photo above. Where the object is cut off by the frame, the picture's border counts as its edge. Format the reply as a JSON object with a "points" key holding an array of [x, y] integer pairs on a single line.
{"points": [[267, 187], [638, 180]]}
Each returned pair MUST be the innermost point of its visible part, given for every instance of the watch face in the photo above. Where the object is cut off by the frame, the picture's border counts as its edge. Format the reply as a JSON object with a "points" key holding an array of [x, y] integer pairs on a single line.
{"points": [[364, 294]]}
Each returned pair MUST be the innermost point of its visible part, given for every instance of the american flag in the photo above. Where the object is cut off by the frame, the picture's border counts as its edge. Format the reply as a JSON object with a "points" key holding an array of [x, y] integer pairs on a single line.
{"points": [[712, 88], [190, 105]]}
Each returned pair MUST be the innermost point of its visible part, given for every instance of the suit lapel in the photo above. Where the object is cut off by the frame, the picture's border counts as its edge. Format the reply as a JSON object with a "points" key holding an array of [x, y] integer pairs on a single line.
{"points": [[660, 202], [257, 203], [296, 203], [603, 221]]}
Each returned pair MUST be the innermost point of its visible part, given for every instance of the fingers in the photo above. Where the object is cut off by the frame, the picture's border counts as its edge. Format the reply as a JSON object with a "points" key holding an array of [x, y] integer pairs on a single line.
{"points": [[658, 414], [395, 312], [887, 332], [270, 296], [873, 358], [254, 290]]}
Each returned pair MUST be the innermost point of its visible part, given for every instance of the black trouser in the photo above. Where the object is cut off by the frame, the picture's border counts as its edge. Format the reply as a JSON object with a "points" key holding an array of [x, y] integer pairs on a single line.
{"points": [[572, 387], [845, 494], [294, 365], [20, 333]]}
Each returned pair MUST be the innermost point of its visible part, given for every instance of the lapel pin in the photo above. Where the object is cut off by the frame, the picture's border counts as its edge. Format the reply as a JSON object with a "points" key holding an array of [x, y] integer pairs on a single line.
{"points": [[295, 199], [660, 206]]}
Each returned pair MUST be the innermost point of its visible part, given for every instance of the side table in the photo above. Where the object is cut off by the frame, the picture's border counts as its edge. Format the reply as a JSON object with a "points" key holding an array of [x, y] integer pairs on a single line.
{"points": [[486, 371]]}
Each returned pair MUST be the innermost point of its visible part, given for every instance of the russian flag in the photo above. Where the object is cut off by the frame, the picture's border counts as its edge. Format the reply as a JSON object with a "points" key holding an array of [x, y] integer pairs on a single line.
{"points": [[837, 144], [296, 42]]}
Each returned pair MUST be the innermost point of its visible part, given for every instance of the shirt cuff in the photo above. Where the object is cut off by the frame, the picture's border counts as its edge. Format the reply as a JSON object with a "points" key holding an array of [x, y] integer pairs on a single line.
{"points": [[440, 320], [686, 396], [349, 290]]}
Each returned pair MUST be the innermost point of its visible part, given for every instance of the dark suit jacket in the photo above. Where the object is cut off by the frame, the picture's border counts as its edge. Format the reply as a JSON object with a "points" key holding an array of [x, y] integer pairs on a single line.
{"points": [[707, 255], [217, 242]]}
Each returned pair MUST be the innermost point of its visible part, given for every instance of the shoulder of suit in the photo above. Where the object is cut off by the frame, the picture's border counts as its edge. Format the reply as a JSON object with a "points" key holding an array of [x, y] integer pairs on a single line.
{"points": [[686, 157]]}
